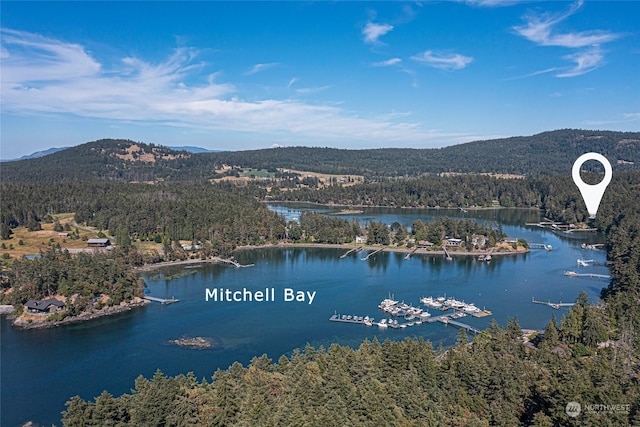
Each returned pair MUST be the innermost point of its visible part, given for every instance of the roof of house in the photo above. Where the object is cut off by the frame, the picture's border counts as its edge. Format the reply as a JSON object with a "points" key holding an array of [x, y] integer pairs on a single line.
{"points": [[100, 241], [40, 304]]}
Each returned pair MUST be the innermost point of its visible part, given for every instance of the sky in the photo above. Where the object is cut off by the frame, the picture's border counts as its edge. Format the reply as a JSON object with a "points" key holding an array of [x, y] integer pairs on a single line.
{"points": [[246, 75]]}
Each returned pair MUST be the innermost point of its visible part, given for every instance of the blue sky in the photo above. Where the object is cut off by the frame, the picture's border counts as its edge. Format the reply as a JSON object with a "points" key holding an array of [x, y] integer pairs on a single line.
{"points": [[244, 75]]}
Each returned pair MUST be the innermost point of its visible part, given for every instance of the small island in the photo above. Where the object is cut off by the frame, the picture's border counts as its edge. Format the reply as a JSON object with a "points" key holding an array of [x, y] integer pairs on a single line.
{"points": [[197, 343]]}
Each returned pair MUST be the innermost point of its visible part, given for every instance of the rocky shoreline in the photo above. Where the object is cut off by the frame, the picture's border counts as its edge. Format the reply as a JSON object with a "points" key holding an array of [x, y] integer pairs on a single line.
{"points": [[20, 322]]}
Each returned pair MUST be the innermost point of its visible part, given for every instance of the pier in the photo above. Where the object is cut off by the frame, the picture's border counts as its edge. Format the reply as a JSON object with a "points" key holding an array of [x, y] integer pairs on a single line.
{"points": [[235, 263], [446, 253], [540, 246], [447, 321], [589, 275], [372, 254], [350, 251], [160, 300], [554, 305], [413, 251]]}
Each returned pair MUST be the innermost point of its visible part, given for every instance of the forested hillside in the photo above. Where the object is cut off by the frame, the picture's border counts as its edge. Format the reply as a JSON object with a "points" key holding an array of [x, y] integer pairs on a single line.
{"points": [[548, 153]]}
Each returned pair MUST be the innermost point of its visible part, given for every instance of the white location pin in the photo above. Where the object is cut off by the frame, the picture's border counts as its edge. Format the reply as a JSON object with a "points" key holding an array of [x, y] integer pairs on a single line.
{"points": [[592, 194]]}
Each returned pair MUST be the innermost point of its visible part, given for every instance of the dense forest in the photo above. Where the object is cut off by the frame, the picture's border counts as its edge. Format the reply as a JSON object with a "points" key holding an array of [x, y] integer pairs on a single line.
{"points": [[494, 380], [548, 153], [80, 278]]}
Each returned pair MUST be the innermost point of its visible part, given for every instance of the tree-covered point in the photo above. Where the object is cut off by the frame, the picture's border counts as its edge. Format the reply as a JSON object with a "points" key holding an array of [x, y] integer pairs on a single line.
{"points": [[495, 380], [86, 275]]}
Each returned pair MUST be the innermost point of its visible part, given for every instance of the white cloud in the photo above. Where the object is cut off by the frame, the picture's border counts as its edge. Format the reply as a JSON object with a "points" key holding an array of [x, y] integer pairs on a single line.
{"points": [[46, 76], [311, 90], [632, 116], [541, 29], [387, 63], [292, 82], [260, 67], [586, 61], [450, 62], [372, 31]]}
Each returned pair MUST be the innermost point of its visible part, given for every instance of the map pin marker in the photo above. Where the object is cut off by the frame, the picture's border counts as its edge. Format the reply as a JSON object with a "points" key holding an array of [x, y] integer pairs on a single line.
{"points": [[592, 194]]}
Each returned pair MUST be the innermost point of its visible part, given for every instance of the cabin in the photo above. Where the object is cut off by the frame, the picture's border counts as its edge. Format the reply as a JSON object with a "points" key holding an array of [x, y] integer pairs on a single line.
{"points": [[424, 244], [98, 243], [510, 240], [50, 305], [361, 240]]}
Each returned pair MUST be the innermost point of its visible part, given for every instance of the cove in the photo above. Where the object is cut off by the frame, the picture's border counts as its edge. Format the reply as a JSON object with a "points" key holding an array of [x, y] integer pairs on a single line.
{"points": [[41, 369]]}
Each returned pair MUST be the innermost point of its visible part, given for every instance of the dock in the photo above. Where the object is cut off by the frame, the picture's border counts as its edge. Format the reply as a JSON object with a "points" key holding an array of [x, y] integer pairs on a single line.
{"points": [[160, 300], [372, 254], [350, 251], [447, 321], [589, 275], [540, 246], [446, 253], [413, 251], [554, 305], [235, 263]]}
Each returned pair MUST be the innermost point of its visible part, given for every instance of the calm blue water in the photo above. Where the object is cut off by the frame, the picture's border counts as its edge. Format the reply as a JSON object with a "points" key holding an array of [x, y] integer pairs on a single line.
{"points": [[41, 369]]}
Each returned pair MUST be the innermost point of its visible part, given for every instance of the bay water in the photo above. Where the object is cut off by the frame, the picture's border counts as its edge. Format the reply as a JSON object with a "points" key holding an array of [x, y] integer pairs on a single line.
{"points": [[41, 369]]}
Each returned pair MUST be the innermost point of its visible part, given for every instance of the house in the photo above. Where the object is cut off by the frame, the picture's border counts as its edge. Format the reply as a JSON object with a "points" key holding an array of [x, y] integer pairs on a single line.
{"points": [[63, 234], [478, 240], [424, 244], [361, 239], [453, 242], [98, 243], [50, 305], [510, 240]]}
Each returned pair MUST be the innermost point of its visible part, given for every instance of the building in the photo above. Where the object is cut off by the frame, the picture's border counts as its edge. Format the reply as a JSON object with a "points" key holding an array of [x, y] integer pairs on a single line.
{"points": [[453, 242], [478, 240], [50, 305], [424, 244], [98, 243], [510, 240], [361, 239]]}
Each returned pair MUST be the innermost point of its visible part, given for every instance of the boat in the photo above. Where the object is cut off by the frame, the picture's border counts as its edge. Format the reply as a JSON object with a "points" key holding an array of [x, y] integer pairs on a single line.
{"points": [[571, 273], [382, 323]]}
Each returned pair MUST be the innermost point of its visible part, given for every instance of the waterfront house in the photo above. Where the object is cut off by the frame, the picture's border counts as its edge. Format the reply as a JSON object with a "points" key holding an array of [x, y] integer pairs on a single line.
{"points": [[50, 305], [424, 244], [478, 240], [453, 242], [510, 240], [361, 239], [98, 243]]}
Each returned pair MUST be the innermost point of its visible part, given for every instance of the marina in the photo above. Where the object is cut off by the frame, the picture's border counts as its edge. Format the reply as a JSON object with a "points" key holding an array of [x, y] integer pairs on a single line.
{"points": [[413, 316]]}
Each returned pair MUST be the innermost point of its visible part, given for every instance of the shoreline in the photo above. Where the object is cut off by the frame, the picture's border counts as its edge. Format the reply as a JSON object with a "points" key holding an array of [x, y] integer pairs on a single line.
{"points": [[358, 207], [19, 322]]}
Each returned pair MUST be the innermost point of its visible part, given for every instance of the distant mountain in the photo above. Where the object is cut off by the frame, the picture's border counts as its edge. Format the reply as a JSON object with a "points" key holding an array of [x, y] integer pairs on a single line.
{"points": [[547, 153], [38, 154], [193, 149]]}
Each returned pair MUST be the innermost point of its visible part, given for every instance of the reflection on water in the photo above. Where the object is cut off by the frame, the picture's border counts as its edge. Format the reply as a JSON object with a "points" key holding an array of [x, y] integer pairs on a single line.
{"points": [[109, 353]]}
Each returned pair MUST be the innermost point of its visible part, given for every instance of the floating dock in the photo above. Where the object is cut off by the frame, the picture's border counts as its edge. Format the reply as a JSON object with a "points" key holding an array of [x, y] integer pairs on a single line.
{"points": [[554, 305], [590, 275], [447, 321], [161, 300]]}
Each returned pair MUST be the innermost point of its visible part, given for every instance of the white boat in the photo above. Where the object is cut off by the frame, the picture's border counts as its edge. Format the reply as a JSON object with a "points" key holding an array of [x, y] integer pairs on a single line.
{"points": [[382, 323], [425, 315]]}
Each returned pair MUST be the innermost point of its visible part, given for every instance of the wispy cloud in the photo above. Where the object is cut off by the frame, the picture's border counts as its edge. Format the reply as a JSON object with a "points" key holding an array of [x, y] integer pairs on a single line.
{"points": [[311, 90], [388, 62], [491, 3], [535, 73], [46, 76], [541, 29], [372, 31], [443, 61], [626, 118], [260, 67], [292, 82], [586, 61]]}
